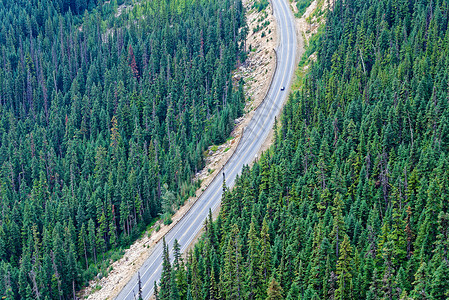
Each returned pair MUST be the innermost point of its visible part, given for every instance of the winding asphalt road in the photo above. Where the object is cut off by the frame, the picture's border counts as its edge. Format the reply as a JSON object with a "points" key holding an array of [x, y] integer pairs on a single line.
{"points": [[254, 136]]}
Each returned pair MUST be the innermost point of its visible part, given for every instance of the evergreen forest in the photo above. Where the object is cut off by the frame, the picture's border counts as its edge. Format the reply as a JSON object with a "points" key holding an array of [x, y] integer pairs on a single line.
{"points": [[106, 110], [352, 199]]}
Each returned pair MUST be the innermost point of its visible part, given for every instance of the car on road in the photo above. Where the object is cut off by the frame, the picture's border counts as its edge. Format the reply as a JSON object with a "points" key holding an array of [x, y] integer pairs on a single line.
{"points": [[282, 88]]}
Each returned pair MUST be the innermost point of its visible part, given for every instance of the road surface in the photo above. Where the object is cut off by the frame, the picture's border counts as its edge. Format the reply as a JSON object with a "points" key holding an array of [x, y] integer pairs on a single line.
{"points": [[253, 137]]}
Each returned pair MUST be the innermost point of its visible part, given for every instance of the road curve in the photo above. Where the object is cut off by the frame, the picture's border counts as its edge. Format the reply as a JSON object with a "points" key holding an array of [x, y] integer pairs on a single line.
{"points": [[253, 137]]}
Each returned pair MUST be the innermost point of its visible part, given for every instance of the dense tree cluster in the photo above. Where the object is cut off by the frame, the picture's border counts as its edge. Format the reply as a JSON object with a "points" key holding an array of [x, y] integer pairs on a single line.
{"points": [[104, 119], [352, 200]]}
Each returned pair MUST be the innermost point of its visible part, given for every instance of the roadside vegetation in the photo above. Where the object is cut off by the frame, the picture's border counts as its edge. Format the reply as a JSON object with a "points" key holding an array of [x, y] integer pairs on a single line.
{"points": [[106, 109], [351, 201]]}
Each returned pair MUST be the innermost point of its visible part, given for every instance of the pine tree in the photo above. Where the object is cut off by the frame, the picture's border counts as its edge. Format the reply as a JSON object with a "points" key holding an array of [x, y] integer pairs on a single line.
{"points": [[92, 240], [344, 270], [264, 174], [442, 239], [439, 286], [253, 279], [195, 277], [213, 289], [398, 236], [174, 293], [274, 291], [166, 281], [293, 294], [82, 244], [388, 283], [265, 252], [232, 276], [132, 62], [176, 255], [338, 229], [421, 283]]}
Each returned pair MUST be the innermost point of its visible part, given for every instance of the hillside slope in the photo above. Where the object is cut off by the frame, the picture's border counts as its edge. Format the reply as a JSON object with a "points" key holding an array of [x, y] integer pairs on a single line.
{"points": [[105, 115], [351, 201]]}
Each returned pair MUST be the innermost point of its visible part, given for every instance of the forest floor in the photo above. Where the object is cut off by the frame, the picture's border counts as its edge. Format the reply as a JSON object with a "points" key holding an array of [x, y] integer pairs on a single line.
{"points": [[257, 72]]}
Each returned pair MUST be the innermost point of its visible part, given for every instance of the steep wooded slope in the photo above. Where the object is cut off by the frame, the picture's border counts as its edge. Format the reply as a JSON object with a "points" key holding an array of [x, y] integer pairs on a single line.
{"points": [[104, 119], [351, 201]]}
